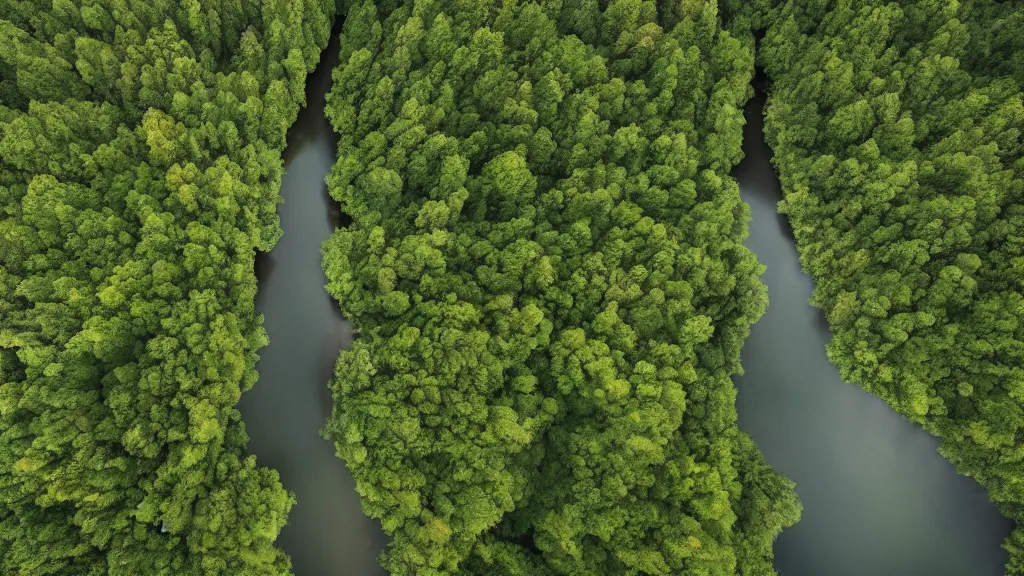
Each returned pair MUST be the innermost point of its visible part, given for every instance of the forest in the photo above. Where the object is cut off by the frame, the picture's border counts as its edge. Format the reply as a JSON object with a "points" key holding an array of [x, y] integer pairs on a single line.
{"points": [[140, 156], [897, 131], [545, 264], [545, 267]]}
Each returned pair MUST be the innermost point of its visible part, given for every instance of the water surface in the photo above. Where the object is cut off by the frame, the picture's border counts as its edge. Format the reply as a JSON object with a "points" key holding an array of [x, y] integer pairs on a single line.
{"points": [[878, 498], [327, 533]]}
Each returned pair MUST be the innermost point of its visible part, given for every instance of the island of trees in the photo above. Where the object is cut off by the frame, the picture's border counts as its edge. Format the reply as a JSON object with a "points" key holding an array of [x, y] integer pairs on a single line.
{"points": [[544, 263]]}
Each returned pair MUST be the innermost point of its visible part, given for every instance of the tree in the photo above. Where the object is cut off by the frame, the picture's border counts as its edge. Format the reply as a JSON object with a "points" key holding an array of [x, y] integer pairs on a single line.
{"points": [[551, 289], [134, 190], [902, 177]]}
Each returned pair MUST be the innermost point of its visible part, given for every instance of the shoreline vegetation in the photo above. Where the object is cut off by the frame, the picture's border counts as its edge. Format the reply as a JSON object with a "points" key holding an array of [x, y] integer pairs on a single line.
{"points": [[140, 162], [842, 100], [545, 267], [545, 262], [897, 131]]}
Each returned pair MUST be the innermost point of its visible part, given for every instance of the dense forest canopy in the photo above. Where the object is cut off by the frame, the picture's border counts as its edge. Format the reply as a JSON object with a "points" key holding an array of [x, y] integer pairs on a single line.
{"points": [[140, 158], [545, 266], [897, 131]]}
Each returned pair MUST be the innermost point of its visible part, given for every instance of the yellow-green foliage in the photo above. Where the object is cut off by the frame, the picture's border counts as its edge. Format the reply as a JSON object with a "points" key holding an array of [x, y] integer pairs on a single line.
{"points": [[140, 147], [897, 129], [545, 264]]}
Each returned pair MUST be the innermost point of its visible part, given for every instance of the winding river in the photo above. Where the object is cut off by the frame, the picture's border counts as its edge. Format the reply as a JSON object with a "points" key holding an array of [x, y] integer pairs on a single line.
{"points": [[327, 533], [878, 498]]}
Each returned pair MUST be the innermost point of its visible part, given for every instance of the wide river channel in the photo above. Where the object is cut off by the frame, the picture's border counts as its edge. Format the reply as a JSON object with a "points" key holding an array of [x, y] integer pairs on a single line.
{"points": [[878, 499]]}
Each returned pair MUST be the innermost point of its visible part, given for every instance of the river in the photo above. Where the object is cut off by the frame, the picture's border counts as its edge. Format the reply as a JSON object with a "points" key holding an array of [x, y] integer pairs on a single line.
{"points": [[878, 498], [327, 533]]}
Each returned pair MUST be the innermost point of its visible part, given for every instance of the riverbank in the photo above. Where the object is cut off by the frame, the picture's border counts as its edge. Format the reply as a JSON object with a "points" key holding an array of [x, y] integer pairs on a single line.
{"points": [[327, 533], [877, 497]]}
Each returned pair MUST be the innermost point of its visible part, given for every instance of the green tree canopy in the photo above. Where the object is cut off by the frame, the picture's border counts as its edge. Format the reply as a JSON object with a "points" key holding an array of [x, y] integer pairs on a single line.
{"points": [[140, 161], [897, 132], [545, 265]]}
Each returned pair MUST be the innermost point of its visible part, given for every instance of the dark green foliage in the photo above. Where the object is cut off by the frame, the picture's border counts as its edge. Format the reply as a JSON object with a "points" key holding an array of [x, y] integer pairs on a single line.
{"points": [[140, 151], [545, 265], [897, 129]]}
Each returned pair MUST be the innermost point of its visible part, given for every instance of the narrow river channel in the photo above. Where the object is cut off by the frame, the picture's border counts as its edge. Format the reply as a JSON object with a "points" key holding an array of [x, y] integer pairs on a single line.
{"points": [[878, 498], [327, 533]]}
